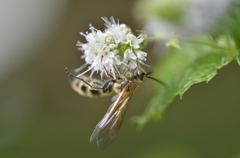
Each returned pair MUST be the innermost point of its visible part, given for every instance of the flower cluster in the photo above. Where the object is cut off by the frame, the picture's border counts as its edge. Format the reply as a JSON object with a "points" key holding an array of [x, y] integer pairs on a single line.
{"points": [[114, 50]]}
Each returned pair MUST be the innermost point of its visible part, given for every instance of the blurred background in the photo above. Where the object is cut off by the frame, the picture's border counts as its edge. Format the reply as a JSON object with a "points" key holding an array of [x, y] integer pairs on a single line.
{"points": [[41, 116]]}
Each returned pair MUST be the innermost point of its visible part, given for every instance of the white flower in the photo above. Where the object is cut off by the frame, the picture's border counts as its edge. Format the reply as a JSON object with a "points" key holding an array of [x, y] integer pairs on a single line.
{"points": [[112, 51]]}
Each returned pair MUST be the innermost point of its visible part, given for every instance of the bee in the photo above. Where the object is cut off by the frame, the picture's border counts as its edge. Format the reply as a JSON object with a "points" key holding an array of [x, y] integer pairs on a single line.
{"points": [[124, 85]]}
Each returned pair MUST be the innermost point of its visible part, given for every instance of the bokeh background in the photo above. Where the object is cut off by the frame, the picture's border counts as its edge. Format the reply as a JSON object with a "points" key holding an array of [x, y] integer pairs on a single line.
{"points": [[41, 116]]}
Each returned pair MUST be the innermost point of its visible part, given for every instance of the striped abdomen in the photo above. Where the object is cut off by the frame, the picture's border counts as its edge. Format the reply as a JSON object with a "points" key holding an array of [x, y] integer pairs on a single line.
{"points": [[86, 90]]}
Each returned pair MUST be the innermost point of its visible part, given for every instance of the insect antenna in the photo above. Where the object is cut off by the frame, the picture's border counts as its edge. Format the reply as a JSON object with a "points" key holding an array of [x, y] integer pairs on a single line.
{"points": [[159, 81]]}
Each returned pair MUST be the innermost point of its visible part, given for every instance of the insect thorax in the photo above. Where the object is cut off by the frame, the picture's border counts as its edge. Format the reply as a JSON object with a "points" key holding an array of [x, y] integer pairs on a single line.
{"points": [[129, 79]]}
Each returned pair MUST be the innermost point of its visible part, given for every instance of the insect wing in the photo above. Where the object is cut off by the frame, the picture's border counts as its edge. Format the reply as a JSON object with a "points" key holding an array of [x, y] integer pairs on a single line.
{"points": [[107, 129]]}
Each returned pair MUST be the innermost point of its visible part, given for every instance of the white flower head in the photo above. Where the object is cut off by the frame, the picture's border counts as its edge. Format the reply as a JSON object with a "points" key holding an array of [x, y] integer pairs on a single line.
{"points": [[112, 51]]}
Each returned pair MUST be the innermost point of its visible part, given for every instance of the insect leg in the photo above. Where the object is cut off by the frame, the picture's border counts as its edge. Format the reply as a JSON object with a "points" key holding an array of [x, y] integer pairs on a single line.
{"points": [[108, 85]]}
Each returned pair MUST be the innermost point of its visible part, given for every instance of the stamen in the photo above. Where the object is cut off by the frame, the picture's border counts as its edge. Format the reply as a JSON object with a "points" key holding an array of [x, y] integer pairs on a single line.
{"points": [[81, 33], [114, 76], [84, 72], [117, 69], [77, 70], [141, 62], [92, 72]]}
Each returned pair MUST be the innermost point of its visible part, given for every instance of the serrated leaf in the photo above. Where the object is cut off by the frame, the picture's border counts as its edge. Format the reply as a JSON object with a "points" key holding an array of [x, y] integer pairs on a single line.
{"points": [[198, 61]]}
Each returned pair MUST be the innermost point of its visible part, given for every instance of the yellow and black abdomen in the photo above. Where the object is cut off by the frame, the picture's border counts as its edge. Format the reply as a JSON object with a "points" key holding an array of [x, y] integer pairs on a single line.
{"points": [[86, 90]]}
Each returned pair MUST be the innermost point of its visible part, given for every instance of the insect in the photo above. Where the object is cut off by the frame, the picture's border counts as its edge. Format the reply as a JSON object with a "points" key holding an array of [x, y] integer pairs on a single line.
{"points": [[124, 85]]}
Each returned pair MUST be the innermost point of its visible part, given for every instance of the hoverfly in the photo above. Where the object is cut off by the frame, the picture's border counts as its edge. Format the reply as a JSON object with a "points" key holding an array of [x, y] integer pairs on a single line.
{"points": [[124, 85]]}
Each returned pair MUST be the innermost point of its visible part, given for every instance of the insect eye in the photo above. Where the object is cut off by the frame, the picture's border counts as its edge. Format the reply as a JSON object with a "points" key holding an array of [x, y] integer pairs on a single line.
{"points": [[140, 74]]}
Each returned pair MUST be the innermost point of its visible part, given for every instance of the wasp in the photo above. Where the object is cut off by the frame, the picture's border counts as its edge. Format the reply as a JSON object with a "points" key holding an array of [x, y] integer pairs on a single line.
{"points": [[124, 85]]}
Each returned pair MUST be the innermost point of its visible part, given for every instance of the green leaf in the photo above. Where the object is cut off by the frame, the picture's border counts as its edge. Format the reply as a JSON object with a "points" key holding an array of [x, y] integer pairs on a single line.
{"points": [[173, 42], [170, 38], [230, 23], [197, 61]]}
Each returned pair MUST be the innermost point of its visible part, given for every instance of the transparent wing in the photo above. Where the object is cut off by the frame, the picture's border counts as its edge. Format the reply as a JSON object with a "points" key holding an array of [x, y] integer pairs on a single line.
{"points": [[107, 129]]}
